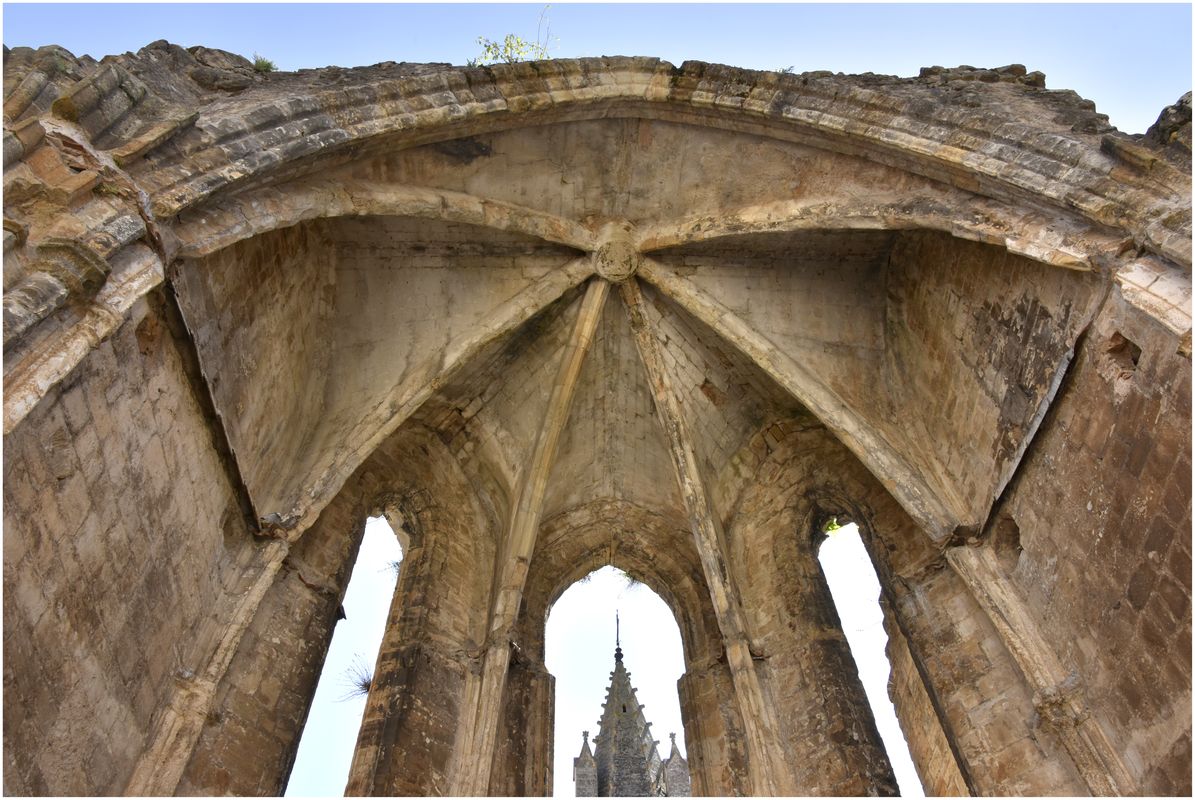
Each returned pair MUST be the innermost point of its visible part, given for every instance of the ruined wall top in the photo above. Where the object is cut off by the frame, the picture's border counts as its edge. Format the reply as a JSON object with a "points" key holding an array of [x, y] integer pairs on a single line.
{"points": [[202, 119]]}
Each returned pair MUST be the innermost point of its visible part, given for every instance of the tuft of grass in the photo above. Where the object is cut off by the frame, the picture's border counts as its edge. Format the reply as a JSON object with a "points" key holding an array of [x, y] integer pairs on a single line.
{"points": [[631, 581], [263, 64], [107, 189], [358, 679]]}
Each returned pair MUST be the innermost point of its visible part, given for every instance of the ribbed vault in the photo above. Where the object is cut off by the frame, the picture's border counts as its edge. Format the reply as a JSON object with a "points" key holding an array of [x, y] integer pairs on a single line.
{"points": [[800, 287], [577, 312]]}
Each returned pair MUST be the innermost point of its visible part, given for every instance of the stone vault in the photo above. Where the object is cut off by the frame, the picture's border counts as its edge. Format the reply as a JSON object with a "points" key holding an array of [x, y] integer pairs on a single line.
{"points": [[555, 315]]}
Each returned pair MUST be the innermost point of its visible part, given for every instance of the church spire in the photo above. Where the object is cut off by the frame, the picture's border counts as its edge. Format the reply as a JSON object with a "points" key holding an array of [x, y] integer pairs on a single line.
{"points": [[626, 761]]}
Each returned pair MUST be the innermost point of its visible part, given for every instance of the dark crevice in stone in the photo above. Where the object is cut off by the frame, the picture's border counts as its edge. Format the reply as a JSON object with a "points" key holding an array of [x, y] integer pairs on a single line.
{"points": [[166, 303]]}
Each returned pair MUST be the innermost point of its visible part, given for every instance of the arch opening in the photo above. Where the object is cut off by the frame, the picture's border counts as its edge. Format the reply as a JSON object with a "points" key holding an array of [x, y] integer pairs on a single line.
{"points": [[328, 742], [855, 589], [581, 634]]}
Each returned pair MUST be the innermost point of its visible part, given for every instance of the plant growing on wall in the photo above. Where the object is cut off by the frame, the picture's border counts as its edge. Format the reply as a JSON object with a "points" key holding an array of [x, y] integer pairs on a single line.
{"points": [[514, 48], [358, 679]]}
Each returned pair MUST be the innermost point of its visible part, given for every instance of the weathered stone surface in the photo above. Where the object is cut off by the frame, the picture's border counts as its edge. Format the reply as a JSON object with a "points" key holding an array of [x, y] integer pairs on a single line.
{"points": [[1173, 128], [244, 312]]}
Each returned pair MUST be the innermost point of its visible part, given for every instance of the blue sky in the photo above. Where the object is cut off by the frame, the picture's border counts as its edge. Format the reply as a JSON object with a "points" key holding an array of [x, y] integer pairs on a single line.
{"points": [[1131, 59]]}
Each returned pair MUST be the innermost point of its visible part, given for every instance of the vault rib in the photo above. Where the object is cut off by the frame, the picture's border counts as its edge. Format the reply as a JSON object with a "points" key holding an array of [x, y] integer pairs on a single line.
{"points": [[986, 222], [178, 728], [480, 729], [765, 761], [216, 227], [1058, 694], [896, 475]]}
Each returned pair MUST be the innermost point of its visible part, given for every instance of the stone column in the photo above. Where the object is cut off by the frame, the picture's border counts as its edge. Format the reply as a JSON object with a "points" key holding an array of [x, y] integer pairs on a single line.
{"points": [[429, 653], [249, 737], [523, 751], [930, 744], [406, 666], [713, 731], [421, 679], [835, 748]]}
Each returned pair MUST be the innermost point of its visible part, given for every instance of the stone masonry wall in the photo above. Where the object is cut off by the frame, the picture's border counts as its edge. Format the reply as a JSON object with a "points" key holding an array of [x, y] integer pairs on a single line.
{"points": [[436, 624], [243, 311], [797, 460], [825, 718], [988, 709], [121, 533], [523, 756], [260, 711], [714, 737], [1103, 518]]}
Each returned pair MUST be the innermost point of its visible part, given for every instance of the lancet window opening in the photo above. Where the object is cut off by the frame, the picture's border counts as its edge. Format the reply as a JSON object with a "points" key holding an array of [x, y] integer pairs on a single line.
{"points": [[855, 589], [325, 751], [580, 650]]}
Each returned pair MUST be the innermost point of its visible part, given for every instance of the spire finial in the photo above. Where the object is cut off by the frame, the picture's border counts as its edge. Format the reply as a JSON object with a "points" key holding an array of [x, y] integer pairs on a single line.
{"points": [[617, 644]]}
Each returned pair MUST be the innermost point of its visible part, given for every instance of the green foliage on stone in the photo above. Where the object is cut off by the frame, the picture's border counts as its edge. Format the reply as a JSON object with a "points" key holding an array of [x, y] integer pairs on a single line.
{"points": [[832, 525], [510, 50], [514, 48], [263, 64]]}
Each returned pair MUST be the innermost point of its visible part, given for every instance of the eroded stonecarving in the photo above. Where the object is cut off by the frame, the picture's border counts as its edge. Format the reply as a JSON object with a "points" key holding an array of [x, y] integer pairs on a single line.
{"points": [[551, 316]]}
